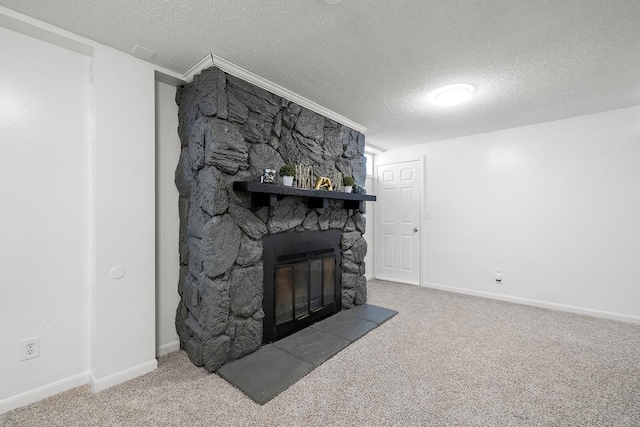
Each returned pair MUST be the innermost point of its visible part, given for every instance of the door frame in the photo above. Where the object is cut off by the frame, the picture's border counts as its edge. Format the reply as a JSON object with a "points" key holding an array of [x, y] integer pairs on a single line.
{"points": [[422, 160]]}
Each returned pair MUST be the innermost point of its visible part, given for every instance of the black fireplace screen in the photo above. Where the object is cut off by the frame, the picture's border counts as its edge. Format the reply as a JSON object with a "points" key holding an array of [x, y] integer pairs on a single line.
{"points": [[301, 280], [303, 288]]}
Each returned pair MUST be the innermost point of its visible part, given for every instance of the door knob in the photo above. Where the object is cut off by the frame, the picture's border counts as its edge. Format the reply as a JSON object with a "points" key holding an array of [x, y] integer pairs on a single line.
{"points": [[415, 230]]}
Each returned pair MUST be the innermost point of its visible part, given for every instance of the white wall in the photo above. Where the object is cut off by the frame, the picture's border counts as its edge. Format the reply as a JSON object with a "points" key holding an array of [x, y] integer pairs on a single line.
{"points": [[45, 250], [77, 156], [555, 206], [123, 333], [167, 220]]}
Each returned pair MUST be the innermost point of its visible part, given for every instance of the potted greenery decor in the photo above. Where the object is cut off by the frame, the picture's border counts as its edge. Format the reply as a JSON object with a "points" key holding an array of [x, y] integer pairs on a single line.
{"points": [[287, 172], [348, 183]]}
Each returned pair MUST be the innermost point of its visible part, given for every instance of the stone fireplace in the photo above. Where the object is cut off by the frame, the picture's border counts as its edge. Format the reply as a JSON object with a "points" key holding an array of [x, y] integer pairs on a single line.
{"points": [[230, 131]]}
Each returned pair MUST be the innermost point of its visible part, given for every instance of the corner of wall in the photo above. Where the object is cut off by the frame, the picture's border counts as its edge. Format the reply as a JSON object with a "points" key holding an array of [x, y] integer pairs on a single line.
{"points": [[103, 383]]}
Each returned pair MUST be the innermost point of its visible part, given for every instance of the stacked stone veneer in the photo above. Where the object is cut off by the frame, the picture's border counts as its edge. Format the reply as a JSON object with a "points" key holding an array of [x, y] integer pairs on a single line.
{"points": [[230, 131]]}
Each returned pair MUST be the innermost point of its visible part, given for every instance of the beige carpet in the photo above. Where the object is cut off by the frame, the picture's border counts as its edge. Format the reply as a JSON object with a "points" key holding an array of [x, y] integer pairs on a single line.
{"points": [[444, 360]]}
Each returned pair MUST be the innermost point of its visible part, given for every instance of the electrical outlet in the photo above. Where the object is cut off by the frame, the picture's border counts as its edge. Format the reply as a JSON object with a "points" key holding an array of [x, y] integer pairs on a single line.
{"points": [[30, 348], [498, 275]]}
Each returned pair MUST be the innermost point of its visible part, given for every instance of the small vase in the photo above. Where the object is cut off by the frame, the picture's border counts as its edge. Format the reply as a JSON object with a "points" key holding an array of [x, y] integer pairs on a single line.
{"points": [[287, 180], [348, 188]]}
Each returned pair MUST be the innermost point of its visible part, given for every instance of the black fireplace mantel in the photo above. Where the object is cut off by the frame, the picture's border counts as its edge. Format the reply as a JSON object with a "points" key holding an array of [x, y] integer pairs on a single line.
{"points": [[269, 194]]}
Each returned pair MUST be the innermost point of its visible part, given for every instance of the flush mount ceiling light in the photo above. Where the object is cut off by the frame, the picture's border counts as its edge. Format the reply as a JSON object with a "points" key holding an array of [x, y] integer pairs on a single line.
{"points": [[451, 95]]}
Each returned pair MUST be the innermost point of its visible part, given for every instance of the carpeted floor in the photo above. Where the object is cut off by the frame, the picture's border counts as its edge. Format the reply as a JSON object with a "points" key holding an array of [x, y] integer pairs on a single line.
{"points": [[445, 360]]}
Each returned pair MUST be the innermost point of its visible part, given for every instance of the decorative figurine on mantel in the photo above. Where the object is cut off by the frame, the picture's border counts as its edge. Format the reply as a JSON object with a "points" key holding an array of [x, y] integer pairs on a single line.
{"points": [[336, 179], [304, 176], [359, 189], [323, 183]]}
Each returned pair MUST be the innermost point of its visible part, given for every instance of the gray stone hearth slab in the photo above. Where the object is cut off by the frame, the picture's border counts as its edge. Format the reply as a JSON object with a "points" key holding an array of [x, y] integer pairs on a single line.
{"points": [[266, 373], [345, 326], [312, 345], [275, 367], [372, 313]]}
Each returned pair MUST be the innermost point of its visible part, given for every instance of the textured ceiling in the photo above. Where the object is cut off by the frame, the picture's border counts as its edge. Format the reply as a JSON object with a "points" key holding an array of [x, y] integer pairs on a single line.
{"points": [[373, 61]]}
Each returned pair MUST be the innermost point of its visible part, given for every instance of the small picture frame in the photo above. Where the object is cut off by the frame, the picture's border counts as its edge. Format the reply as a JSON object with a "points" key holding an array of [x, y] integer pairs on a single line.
{"points": [[268, 176]]}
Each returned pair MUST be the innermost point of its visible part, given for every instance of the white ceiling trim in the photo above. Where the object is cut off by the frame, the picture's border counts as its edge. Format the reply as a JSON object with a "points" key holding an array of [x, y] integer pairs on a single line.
{"points": [[44, 32], [169, 79], [235, 70], [203, 64], [372, 149], [48, 33]]}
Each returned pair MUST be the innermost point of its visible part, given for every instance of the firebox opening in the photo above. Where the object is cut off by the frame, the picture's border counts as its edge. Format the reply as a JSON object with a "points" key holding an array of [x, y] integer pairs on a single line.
{"points": [[302, 280]]}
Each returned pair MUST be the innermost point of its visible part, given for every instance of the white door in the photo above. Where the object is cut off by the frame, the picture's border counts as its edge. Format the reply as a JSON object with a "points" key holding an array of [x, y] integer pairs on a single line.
{"points": [[398, 213]]}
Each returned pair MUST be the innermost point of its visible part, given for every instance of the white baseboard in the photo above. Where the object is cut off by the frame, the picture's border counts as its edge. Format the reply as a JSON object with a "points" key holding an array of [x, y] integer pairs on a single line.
{"points": [[99, 384], [389, 279], [168, 348], [43, 392], [537, 303]]}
